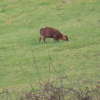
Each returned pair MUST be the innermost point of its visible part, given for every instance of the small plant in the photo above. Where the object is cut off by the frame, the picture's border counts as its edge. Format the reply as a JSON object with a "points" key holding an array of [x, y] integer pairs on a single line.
{"points": [[49, 90]]}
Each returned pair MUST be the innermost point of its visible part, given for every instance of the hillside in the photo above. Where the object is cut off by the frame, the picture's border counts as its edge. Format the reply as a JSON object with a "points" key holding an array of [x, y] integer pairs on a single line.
{"points": [[20, 24]]}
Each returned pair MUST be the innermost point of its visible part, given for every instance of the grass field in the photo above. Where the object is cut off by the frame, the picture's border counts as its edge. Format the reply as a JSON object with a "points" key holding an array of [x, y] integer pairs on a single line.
{"points": [[20, 23]]}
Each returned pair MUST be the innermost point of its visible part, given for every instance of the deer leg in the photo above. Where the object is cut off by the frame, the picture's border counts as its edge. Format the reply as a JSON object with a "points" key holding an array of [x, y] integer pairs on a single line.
{"points": [[44, 39], [39, 39], [54, 40]]}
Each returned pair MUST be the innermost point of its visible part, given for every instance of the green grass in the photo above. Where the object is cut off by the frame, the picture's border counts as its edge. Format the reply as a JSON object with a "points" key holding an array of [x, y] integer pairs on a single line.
{"points": [[20, 23]]}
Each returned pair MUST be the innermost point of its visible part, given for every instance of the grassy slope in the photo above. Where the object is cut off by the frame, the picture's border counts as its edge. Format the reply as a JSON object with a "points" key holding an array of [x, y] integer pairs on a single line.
{"points": [[20, 22]]}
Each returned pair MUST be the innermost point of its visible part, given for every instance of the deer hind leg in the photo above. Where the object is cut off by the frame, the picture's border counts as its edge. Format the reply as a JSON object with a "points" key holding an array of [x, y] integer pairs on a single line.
{"points": [[39, 39], [42, 37], [54, 40]]}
